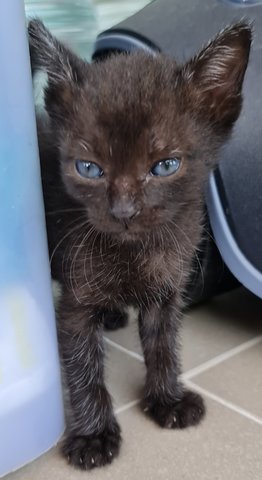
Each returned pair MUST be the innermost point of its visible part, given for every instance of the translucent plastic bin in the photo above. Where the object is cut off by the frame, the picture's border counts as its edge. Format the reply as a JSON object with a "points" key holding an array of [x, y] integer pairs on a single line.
{"points": [[31, 407]]}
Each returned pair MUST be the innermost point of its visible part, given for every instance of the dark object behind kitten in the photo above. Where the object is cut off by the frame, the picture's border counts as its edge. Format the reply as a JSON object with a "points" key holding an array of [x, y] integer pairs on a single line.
{"points": [[125, 151]]}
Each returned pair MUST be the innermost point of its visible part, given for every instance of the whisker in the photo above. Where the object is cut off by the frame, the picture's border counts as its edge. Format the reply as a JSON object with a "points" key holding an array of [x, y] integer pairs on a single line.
{"points": [[195, 249], [76, 227], [66, 210]]}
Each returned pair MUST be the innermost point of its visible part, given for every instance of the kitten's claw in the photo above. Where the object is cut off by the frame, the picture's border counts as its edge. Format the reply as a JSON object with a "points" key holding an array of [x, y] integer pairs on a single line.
{"points": [[186, 412], [88, 452]]}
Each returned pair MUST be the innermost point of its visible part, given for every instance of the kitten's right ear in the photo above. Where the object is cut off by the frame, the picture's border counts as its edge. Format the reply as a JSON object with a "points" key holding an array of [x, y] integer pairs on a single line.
{"points": [[64, 69], [216, 75]]}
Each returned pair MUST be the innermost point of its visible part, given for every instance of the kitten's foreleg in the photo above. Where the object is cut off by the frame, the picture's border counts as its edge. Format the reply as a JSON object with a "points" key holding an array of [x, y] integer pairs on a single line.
{"points": [[93, 435], [166, 400]]}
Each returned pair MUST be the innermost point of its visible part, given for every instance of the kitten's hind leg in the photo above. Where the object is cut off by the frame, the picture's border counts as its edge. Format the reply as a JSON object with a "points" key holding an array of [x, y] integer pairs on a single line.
{"points": [[114, 319], [166, 400], [93, 434]]}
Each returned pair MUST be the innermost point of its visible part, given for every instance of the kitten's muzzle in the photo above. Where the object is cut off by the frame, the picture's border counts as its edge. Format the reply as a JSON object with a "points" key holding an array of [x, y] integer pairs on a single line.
{"points": [[124, 212]]}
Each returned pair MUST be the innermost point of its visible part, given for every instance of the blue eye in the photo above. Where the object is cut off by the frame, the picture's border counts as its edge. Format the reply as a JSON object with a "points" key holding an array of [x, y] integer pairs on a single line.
{"points": [[166, 167], [89, 169]]}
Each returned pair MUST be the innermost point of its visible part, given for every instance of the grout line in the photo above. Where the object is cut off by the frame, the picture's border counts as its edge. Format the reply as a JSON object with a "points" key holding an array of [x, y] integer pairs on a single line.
{"points": [[124, 350], [126, 406], [193, 372], [225, 403], [221, 358], [187, 376], [206, 393]]}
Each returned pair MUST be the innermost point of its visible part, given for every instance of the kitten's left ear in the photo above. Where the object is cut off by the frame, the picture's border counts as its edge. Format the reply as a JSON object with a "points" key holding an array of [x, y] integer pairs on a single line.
{"points": [[65, 70], [215, 76]]}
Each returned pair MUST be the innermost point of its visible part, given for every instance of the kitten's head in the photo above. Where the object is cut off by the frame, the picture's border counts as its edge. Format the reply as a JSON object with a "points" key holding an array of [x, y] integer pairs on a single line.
{"points": [[137, 133]]}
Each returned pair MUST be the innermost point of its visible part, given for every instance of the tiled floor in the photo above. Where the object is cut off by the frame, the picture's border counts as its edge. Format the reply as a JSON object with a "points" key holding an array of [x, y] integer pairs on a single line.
{"points": [[222, 353]]}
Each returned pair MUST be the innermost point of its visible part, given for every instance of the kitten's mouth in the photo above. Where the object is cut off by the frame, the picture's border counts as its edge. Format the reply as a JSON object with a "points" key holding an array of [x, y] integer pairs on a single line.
{"points": [[129, 235], [130, 232], [124, 231]]}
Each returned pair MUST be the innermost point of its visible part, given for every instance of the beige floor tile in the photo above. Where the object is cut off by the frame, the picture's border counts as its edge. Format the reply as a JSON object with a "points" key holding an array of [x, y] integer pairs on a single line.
{"points": [[237, 380], [128, 336], [124, 377], [221, 324], [226, 446], [208, 330]]}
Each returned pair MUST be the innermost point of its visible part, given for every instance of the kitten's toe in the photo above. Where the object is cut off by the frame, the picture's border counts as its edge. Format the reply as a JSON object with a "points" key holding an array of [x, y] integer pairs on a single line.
{"points": [[114, 320], [88, 452], [186, 412]]}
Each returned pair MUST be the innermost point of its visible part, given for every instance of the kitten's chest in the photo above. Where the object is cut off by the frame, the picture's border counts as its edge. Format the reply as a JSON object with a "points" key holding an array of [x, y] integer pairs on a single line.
{"points": [[126, 275]]}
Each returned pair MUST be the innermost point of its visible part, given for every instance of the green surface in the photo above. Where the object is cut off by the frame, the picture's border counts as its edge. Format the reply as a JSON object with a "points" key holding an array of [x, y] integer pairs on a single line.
{"points": [[77, 22]]}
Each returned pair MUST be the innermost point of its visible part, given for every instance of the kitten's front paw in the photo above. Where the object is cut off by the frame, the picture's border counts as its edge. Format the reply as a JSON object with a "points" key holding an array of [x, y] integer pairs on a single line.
{"points": [[183, 413], [88, 452]]}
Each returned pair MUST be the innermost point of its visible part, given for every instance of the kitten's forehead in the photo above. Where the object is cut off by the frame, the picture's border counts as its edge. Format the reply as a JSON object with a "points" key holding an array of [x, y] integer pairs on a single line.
{"points": [[131, 106], [127, 96], [129, 81]]}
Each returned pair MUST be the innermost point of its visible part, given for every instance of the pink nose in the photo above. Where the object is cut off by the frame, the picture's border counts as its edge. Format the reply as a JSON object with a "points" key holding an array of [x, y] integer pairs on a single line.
{"points": [[123, 211]]}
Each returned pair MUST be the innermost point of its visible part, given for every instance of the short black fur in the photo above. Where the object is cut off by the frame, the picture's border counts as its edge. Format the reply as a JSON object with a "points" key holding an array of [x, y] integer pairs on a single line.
{"points": [[129, 237]]}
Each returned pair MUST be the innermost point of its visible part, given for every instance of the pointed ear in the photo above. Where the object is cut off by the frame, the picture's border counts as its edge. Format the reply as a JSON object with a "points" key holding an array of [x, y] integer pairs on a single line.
{"points": [[216, 75], [64, 69]]}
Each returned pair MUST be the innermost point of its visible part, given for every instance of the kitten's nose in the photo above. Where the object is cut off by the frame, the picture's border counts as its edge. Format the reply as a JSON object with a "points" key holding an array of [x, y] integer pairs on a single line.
{"points": [[123, 211]]}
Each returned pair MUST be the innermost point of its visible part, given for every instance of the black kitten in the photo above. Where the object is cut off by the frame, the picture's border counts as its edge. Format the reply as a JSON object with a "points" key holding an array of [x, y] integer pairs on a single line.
{"points": [[125, 151]]}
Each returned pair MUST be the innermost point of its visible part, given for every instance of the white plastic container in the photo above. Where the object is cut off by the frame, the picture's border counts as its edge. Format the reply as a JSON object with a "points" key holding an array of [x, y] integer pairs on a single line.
{"points": [[31, 407]]}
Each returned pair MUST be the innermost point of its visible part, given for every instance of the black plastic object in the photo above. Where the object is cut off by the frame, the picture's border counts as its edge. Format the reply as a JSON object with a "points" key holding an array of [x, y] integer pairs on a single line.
{"points": [[179, 28]]}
